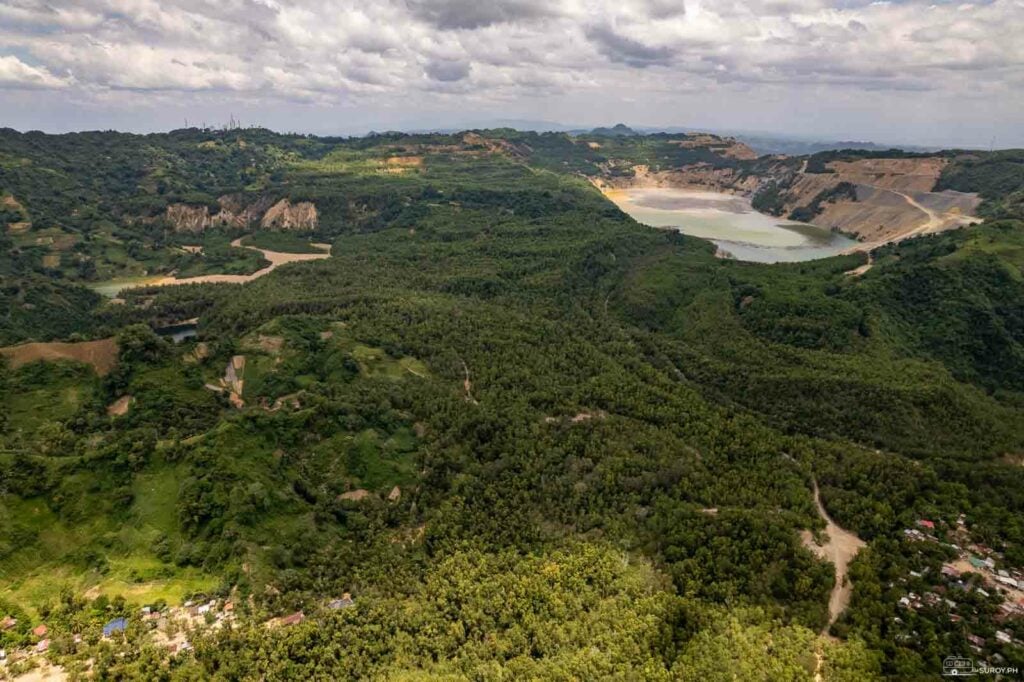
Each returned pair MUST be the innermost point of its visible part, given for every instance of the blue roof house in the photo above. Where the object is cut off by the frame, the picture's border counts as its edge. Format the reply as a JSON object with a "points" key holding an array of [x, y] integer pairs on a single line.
{"points": [[116, 625]]}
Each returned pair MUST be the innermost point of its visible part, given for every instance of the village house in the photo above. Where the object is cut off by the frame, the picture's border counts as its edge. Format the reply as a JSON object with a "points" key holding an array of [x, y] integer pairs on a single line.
{"points": [[290, 619], [115, 626], [294, 618], [345, 601], [40, 630], [43, 645], [8, 622]]}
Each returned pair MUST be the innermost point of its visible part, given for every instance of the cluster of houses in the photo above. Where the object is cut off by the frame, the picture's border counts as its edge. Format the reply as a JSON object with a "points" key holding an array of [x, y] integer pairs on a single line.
{"points": [[972, 559], [170, 625], [41, 636]]}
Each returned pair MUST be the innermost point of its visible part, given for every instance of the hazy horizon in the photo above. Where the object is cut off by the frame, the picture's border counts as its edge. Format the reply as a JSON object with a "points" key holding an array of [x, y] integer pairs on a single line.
{"points": [[911, 73]]}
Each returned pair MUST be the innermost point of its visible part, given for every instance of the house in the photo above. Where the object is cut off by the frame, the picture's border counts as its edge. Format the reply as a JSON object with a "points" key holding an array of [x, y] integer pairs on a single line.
{"points": [[40, 630], [983, 593], [1003, 637], [8, 622], [976, 562], [950, 571], [43, 645], [976, 640], [925, 523], [114, 626], [229, 606], [291, 619], [294, 618], [345, 601]]}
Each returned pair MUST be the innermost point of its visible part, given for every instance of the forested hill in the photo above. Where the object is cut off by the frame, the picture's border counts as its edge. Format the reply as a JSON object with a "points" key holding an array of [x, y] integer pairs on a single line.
{"points": [[527, 436]]}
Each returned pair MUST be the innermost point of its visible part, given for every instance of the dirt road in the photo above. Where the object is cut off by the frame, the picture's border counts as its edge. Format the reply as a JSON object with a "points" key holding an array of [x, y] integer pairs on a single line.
{"points": [[841, 548], [276, 259], [934, 222]]}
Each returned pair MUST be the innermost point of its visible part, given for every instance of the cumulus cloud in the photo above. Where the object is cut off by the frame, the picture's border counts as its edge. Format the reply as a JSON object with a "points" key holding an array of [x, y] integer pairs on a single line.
{"points": [[625, 50], [356, 51], [446, 70], [15, 73]]}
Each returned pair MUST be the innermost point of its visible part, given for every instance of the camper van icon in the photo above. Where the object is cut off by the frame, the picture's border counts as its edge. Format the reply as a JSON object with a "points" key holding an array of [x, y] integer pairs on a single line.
{"points": [[958, 666]]}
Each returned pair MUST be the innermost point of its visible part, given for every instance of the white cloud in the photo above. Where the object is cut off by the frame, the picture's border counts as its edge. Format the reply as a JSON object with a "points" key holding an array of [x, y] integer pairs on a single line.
{"points": [[346, 51], [15, 73]]}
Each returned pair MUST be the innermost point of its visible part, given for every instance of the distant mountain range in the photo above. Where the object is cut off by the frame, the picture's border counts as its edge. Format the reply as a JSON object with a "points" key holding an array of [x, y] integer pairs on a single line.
{"points": [[761, 142]]}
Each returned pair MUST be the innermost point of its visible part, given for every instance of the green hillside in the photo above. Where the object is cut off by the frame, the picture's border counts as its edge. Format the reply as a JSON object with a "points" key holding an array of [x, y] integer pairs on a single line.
{"points": [[530, 437]]}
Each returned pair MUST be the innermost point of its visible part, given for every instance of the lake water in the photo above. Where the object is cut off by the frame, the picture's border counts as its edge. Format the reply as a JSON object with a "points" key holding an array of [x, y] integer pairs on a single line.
{"points": [[730, 222], [179, 332]]}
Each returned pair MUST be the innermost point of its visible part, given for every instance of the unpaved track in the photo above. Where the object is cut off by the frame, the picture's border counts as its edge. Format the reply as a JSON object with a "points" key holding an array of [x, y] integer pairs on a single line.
{"points": [[934, 222], [841, 548], [276, 258]]}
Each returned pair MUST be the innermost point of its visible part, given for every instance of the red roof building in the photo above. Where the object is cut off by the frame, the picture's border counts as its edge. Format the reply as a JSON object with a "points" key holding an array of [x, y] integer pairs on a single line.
{"points": [[292, 619]]}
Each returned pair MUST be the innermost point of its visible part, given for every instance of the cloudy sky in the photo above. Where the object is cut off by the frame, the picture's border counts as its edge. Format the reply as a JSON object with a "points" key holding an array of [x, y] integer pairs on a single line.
{"points": [[900, 71]]}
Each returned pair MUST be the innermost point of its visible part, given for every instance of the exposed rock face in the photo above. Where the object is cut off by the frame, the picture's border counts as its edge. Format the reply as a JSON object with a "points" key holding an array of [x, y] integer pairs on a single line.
{"points": [[697, 176], [187, 218], [724, 146], [236, 213], [287, 216]]}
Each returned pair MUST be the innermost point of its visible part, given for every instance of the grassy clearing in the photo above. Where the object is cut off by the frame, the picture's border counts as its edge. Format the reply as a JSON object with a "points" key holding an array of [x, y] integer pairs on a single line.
{"points": [[375, 362], [101, 354]]}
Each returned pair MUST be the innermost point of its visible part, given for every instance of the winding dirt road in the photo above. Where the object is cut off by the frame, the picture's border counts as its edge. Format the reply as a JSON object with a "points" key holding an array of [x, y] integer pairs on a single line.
{"points": [[276, 258]]}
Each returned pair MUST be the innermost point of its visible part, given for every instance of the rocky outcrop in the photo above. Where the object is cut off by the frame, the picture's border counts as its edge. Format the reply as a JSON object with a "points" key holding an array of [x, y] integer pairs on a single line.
{"points": [[697, 176], [235, 212], [285, 215], [185, 218]]}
